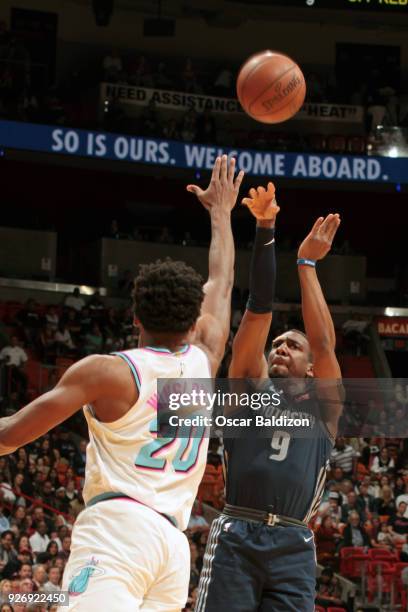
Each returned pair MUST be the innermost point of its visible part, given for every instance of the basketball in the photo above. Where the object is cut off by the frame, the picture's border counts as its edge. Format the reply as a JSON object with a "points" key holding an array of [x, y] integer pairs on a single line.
{"points": [[271, 87]]}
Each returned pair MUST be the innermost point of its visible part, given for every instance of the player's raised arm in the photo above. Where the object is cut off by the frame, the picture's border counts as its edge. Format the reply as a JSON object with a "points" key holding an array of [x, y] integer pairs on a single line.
{"points": [[219, 199], [93, 378], [248, 359], [316, 315]]}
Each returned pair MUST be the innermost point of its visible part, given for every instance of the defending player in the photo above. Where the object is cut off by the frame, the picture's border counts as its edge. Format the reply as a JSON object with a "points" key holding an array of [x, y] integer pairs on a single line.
{"points": [[260, 553], [128, 549]]}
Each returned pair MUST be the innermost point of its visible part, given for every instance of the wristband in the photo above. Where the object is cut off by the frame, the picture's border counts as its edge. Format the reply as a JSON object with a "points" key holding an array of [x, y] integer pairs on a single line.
{"points": [[306, 262]]}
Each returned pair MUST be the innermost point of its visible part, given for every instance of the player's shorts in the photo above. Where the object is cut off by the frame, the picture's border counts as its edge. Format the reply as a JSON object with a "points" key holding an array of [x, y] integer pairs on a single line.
{"points": [[251, 567], [125, 556]]}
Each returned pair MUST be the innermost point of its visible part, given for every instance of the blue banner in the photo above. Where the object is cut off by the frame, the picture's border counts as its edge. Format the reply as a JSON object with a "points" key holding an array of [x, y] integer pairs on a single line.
{"points": [[102, 145]]}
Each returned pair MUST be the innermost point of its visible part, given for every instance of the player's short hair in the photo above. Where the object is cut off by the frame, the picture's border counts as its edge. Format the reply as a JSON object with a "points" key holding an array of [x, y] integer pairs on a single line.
{"points": [[301, 333], [167, 296], [297, 331]]}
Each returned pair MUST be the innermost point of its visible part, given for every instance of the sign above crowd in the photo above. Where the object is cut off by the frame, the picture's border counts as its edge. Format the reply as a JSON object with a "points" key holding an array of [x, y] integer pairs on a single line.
{"points": [[132, 149], [393, 327], [181, 101]]}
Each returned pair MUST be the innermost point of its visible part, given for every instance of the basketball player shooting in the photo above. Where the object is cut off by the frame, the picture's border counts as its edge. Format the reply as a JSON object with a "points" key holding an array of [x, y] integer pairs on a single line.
{"points": [[261, 546], [128, 550]]}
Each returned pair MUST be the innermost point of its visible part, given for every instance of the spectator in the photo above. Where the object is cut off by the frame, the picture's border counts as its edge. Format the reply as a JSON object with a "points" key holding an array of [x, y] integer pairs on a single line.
{"points": [[224, 83], [65, 446], [4, 522], [40, 539], [72, 324], [5, 589], [29, 319], [353, 534], [80, 458], [26, 571], [383, 538], [112, 66], [382, 463], [327, 537], [385, 504], [95, 305], [403, 498], [63, 340], [61, 502], [351, 506], [47, 345], [365, 501], [39, 576], [15, 358], [399, 524], [66, 547], [197, 520], [7, 551], [75, 300], [343, 456], [94, 340], [52, 319], [328, 589], [52, 549], [85, 321], [54, 581]]}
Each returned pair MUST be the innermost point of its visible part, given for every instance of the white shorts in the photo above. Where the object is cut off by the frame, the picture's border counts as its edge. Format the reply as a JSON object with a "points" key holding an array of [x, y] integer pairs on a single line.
{"points": [[126, 557]]}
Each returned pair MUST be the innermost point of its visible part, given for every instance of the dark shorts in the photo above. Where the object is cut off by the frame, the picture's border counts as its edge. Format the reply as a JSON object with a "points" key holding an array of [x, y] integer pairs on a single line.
{"points": [[250, 567]]}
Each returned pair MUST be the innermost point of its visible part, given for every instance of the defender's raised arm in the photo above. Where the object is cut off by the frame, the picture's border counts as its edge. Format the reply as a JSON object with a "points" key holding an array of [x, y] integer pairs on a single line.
{"points": [[219, 199]]}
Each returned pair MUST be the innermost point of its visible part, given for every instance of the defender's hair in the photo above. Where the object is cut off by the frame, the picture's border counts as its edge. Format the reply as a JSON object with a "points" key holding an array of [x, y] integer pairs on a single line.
{"points": [[167, 296]]}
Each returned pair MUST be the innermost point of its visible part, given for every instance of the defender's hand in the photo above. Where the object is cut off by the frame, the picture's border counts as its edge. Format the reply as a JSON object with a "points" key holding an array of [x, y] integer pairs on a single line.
{"points": [[318, 243], [262, 203], [222, 192]]}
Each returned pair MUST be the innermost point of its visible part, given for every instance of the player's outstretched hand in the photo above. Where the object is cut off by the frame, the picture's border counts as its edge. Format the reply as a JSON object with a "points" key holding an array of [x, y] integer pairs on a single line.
{"points": [[223, 188], [262, 203], [318, 242]]}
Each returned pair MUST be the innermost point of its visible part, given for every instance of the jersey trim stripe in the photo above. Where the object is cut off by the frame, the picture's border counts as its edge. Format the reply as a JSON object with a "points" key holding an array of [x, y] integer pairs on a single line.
{"points": [[165, 351], [133, 368]]}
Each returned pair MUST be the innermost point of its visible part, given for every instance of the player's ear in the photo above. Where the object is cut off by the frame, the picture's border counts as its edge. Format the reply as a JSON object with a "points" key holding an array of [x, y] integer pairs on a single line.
{"points": [[309, 370]]}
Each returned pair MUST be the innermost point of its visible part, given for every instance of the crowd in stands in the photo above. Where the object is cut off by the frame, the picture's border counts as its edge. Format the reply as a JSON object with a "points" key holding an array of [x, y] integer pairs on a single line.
{"points": [[28, 93], [364, 510]]}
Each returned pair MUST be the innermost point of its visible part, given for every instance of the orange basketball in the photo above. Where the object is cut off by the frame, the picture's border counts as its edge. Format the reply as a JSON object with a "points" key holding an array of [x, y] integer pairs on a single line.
{"points": [[271, 87]]}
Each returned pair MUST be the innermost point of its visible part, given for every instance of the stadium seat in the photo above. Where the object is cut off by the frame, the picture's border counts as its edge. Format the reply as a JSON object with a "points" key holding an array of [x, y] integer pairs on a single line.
{"points": [[357, 565], [320, 609], [381, 578], [336, 610], [347, 555], [400, 587], [382, 554]]}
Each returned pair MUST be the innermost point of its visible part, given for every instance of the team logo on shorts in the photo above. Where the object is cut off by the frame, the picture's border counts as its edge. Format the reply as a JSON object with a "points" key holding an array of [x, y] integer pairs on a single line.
{"points": [[80, 579]]}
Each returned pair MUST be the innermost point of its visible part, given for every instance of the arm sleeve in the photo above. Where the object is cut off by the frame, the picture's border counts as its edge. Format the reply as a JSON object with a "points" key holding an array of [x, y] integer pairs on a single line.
{"points": [[262, 276]]}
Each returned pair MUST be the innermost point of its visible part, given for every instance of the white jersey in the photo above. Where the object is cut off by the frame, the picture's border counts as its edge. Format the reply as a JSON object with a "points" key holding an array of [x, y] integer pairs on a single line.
{"points": [[127, 457]]}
